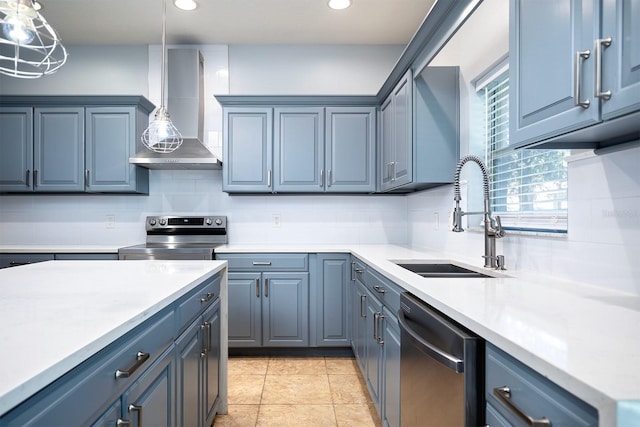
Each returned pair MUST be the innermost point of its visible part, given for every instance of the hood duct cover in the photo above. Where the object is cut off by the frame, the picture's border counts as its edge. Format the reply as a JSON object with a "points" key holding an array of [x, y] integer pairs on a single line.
{"points": [[185, 103]]}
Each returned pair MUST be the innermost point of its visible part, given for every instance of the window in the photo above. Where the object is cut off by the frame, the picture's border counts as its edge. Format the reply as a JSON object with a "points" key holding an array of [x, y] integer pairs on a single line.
{"points": [[528, 187]]}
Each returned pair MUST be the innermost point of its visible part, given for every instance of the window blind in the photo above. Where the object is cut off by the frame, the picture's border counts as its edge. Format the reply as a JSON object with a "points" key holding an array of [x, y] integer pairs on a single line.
{"points": [[528, 187]]}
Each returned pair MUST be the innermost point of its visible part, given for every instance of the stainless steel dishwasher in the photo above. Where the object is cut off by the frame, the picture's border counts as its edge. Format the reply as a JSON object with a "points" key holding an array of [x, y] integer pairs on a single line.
{"points": [[441, 369]]}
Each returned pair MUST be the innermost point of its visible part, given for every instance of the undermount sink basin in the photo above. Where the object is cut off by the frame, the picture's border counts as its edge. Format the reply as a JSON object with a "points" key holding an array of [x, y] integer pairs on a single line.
{"points": [[441, 270]]}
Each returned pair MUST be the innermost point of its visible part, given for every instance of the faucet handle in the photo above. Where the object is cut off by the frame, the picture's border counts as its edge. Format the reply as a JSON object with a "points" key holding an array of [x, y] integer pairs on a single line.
{"points": [[497, 226]]}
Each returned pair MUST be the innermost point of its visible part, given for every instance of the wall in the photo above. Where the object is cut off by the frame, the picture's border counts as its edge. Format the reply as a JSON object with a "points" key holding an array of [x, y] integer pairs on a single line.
{"points": [[81, 219]]}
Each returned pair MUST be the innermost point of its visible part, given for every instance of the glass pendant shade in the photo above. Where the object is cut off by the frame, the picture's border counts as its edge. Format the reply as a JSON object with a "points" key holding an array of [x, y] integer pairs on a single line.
{"points": [[29, 46], [162, 136]]}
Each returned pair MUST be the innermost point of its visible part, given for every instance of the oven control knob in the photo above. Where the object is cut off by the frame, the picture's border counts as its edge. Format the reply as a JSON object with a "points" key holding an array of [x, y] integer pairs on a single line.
{"points": [[208, 221], [152, 222], [218, 221], [163, 222]]}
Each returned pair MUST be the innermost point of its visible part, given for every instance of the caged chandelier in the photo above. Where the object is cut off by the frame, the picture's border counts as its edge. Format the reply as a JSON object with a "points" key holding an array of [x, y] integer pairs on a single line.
{"points": [[29, 46], [162, 136]]}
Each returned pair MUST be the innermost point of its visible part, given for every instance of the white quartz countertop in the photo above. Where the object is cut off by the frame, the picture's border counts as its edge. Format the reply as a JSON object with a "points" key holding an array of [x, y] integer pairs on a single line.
{"points": [[59, 249], [56, 314], [581, 337]]}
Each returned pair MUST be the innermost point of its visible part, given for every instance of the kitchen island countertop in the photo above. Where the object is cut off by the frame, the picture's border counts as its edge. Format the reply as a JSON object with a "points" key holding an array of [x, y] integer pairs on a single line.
{"points": [[57, 314], [582, 337]]}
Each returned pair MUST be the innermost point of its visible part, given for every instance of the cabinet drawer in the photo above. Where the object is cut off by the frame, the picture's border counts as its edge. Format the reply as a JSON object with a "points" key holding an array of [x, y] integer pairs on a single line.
{"points": [[532, 394], [387, 291], [266, 262], [86, 392], [195, 302]]}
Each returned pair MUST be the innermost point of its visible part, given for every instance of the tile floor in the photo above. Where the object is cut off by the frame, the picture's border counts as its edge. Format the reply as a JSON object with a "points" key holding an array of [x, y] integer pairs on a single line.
{"points": [[297, 391]]}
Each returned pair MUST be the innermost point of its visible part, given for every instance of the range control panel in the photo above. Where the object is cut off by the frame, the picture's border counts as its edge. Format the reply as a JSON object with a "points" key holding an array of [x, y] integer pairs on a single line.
{"points": [[186, 222]]}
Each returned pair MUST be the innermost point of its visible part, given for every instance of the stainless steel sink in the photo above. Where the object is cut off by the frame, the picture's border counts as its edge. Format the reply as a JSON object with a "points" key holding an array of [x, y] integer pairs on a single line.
{"points": [[440, 270]]}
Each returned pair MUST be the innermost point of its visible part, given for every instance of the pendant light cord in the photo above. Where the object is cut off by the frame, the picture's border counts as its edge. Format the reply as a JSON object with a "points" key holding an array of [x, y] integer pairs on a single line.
{"points": [[164, 41]]}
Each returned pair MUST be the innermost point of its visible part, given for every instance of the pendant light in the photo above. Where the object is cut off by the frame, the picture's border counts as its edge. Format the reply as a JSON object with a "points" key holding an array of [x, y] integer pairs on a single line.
{"points": [[162, 136], [29, 46]]}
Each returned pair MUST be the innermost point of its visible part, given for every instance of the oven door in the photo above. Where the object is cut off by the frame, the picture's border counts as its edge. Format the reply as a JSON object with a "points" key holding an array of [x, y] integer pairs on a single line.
{"points": [[143, 252]]}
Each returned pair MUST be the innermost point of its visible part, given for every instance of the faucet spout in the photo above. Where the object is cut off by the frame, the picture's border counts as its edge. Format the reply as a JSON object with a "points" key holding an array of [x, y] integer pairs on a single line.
{"points": [[492, 226]]}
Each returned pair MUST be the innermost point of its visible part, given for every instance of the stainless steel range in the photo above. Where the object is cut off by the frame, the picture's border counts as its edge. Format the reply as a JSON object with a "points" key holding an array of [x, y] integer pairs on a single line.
{"points": [[179, 238]]}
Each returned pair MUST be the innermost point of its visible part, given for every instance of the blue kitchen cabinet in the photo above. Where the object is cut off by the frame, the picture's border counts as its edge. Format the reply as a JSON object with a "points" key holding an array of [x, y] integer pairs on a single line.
{"points": [[211, 385], [268, 300], [58, 149], [350, 149], [358, 313], [514, 392], [299, 149], [78, 144], [112, 135], [248, 150], [559, 73], [396, 134], [374, 351], [331, 300], [391, 368], [16, 149]]}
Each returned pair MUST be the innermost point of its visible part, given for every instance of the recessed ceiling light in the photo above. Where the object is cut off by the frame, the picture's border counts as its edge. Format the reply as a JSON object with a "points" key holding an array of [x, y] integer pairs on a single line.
{"points": [[185, 4], [339, 4], [37, 5]]}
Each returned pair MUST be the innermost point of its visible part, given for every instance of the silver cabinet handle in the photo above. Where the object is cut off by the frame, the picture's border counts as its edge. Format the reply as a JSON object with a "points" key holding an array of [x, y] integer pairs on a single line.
{"points": [[269, 178], [203, 353], [577, 80], [600, 43], [504, 395], [35, 178], [86, 177], [257, 288], [261, 263], [321, 177], [27, 177], [266, 288], [329, 178], [207, 297], [141, 357], [379, 289], [380, 320], [362, 300], [207, 326], [353, 268], [138, 409], [375, 325]]}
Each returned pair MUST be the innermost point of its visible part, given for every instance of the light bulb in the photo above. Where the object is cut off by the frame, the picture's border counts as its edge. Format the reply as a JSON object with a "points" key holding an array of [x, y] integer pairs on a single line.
{"points": [[161, 136], [19, 29], [185, 4], [339, 4]]}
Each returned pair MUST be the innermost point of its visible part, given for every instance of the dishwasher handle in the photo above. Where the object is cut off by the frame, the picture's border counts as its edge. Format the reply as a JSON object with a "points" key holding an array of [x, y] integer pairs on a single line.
{"points": [[450, 361]]}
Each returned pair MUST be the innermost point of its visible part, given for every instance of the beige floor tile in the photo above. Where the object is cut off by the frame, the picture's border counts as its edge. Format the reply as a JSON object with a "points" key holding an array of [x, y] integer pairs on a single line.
{"points": [[296, 389], [296, 416], [248, 365], [245, 389], [342, 365], [297, 366], [238, 416], [356, 416], [347, 389]]}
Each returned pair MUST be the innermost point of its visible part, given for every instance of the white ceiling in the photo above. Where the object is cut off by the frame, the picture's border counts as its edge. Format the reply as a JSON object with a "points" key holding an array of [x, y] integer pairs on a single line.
{"points": [[235, 21]]}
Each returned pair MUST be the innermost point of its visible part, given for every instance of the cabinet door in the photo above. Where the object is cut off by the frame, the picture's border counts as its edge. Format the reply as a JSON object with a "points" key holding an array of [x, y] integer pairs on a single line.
{"points": [[386, 143], [245, 309], [331, 299], [248, 150], [58, 153], [298, 149], [16, 149], [621, 60], [110, 141], [350, 149], [189, 373], [402, 167], [285, 309], [359, 313], [541, 101], [374, 349], [391, 370], [212, 366], [151, 397]]}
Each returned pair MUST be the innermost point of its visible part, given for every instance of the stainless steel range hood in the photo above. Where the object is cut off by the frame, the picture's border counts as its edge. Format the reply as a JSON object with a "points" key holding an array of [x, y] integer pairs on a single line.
{"points": [[185, 102]]}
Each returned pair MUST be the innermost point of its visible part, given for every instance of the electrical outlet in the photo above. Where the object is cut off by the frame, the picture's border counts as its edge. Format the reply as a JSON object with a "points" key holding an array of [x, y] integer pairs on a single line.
{"points": [[110, 221], [276, 220], [436, 221]]}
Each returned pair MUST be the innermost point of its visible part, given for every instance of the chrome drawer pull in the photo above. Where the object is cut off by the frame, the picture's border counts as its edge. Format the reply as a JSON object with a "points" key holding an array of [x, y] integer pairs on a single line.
{"points": [[379, 289], [577, 80], [137, 409], [504, 395], [600, 43], [362, 313], [207, 297], [261, 262], [141, 357]]}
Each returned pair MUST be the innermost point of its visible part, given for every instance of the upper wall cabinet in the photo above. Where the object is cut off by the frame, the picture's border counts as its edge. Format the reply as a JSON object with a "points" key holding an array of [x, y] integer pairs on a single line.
{"points": [[575, 81], [298, 144], [71, 144]]}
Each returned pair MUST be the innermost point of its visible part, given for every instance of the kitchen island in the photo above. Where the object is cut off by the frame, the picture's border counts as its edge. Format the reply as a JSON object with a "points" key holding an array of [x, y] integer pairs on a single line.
{"points": [[59, 317]]}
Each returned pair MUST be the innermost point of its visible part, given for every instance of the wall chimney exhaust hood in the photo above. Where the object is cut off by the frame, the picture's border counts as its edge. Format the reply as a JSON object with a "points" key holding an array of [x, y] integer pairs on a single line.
{"points": [[185, 101]]}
